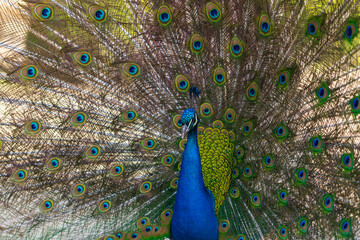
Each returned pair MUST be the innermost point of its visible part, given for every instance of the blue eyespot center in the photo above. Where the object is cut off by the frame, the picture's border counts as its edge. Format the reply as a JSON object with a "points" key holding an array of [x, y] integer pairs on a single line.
{"points": [[282, 195], [117, 169], [302, 223], [282, 79], [131, 115], [146, 186], [94, 151], [167, 214], [106, 205], [252, 92], [265, 27], [345, 225], [347, 160], [315, 142], [321, 92], [164, 17], [133, 70], [219, 77], [355, 103], [168, 160], [280, 131], [214, 13], [80, 118], [238, 152], [55, 163], [206, 110], [134, 235], [224, 225], [21, 174], [311, 29], [183, 85], [236, 48], [150, 143], [255, 198], [229, 116], [234, 191], [246, 128], [148, 229], [301, 174], [283, 231], [349, 31], [197, 45], [119, 235], [99, 14], [247, 170], [45, 13], [268, 160], [327, 201], [80, 189], [34, 126], [47, 204], [31, 72]]}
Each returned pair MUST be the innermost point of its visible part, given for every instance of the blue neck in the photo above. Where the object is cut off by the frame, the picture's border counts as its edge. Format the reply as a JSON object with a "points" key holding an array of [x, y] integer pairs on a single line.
{"points": [[194, 216]]}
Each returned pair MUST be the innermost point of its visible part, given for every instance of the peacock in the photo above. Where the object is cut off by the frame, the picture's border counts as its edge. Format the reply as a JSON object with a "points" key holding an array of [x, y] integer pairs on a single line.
{"points": [[181, 120]]}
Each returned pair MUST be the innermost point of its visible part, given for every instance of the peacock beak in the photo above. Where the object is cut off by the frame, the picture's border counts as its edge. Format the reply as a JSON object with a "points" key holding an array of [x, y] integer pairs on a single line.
{"points": [[185, 129]]}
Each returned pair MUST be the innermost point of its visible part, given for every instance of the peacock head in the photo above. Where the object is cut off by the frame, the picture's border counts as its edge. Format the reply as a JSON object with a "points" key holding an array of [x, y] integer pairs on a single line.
{"points": [[189, 120]]}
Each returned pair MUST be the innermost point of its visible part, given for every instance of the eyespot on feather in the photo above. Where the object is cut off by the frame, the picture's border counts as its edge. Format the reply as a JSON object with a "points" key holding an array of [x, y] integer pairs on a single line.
{"points": [[145, 187], [164, 15], [283, 196], [197, 44], [213, 12], [247, 171], [230, 115], [129, 115], [313, 28], [236, 47], [252, 92], [283, 79], [247, 128], [255, 199], [32, 127], [166, 216], [78, 119], [143, 222], [43, 12], [82, 58], [206, 110], [316, 144], [283, 232], [218, 124], [264, 25], [78, 190], [345, 227], [234, 192], [224, 226], [219, 76], [182, 84], [303, 225], [19, 175], [104, 206], [53, 164], [167, 160], [131, 69], [29, 72], [93, 152], [174, 183], [347, 161], [98, 14], [301, 175], [116, 170], [327, 202], [148, 143], [47, 205], [268, 161]]}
